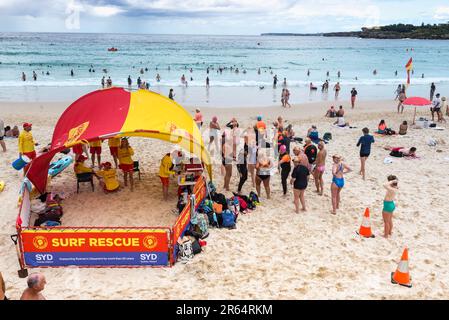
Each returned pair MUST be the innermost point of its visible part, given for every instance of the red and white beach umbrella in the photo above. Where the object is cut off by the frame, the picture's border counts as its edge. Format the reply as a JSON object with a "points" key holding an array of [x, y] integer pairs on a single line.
{"points": [[416, 102]]}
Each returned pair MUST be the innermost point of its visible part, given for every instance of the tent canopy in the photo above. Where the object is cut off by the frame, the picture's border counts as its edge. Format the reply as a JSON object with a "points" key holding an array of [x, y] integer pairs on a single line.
{"points": [[107, 113], [417, 102]]}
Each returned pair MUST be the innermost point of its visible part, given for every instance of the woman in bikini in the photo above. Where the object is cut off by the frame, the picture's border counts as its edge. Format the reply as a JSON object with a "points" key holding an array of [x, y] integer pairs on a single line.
{"points": [[338, 181], [263, 168], [389, 204], [319, 168]]}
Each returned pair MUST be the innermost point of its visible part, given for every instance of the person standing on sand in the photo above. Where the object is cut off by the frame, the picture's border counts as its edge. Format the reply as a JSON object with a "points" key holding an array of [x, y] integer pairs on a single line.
{"points": [[2, 135], [26, 142], [263, 173], [95, 149], [338, 181], [389, 204], [284, 166], [242, 165], [398, 92], [214, 128], [287, 97], [353, 97], [402, 98], [275, 80], [126, 163], [432, 90], [227, 157], [36, 284], [283, 98], [337, 90], [319, 168], [364, 142], [299, 181], [165, 170], [207, 82]]}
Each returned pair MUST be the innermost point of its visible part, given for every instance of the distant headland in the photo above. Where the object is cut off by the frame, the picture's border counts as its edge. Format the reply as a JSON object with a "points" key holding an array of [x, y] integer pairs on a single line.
{"points": [[394, 31]]}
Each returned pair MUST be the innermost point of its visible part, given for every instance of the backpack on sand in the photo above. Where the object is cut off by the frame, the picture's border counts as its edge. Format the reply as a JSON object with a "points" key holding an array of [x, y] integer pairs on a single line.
{"points": [[185, 251], [228, 219]]}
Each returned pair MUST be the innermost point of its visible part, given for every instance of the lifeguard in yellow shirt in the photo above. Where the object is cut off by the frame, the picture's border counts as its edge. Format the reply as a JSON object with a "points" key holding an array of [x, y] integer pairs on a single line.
{"points": [[79, 166], [165, 170], [95, 149], [114, 144], [126, 163], [108, 177], [26, 142]]}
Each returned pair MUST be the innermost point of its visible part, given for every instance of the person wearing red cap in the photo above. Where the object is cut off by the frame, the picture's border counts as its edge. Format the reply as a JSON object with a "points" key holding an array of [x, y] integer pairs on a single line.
{"points": [[108, 177], [26, 142], [95, 149], [126, 163]]}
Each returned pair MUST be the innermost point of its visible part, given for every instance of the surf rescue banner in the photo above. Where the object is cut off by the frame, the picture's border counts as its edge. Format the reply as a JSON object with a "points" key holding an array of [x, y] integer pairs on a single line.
{"points": [[95, 247]]}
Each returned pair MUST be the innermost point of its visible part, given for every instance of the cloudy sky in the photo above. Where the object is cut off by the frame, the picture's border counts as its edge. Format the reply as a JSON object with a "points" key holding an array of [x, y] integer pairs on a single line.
{"points": [[214, 16]]}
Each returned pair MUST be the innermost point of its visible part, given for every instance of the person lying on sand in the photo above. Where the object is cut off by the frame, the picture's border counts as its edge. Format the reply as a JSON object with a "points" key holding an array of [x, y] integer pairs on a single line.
{"points": [[396, 152]]}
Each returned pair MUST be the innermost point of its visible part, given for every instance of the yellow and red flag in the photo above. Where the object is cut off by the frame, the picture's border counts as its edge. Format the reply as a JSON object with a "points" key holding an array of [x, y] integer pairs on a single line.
{"points": [[409, 67]]}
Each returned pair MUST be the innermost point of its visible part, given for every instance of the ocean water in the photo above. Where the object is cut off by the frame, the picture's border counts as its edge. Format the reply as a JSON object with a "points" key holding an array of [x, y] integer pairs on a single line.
{"points": [[174, 55]]}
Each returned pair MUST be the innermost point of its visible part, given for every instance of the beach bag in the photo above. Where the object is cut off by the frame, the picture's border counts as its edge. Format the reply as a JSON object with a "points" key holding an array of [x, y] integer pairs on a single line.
{"points": [[254, 198], [202, 225], [396, 153], [185, 251], [249, 204], [218, 208], [196, 247], [228, 219], [213, 221], [242, 203], [327, 136], [221, 199]]}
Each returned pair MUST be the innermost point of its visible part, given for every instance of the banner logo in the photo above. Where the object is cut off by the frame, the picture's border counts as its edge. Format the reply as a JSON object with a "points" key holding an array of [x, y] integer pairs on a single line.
{"points": [[75, 133], [149, 242], [40, 242]]}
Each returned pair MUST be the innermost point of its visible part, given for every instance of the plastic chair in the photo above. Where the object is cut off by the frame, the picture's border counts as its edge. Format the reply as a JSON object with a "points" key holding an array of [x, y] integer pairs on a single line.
{"points": [[136, 168], [84, 177]]}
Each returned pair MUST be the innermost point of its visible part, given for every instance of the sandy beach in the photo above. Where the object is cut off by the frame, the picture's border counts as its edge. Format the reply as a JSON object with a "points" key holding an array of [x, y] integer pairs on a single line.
{"points": [[274, 253]]}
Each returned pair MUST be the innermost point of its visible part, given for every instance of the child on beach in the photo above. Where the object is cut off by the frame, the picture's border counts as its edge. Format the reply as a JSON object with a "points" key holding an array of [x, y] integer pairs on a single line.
{"points": [[126, 163], [364, 142], [389, 204], [338, 181], [108, 178], [300, 177], [319, 168]]}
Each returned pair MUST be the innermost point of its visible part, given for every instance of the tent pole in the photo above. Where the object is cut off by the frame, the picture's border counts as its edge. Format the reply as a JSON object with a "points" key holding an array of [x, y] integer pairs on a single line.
{"points": [[414, 116]]}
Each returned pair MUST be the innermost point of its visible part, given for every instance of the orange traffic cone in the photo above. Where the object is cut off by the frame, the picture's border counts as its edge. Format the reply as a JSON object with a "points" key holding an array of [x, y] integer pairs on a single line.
{"points": [[365, 228], [402, 276]]}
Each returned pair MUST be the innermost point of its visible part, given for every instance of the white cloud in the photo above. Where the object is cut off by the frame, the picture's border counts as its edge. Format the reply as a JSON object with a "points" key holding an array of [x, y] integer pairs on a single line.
{"points": [[103, 11], [441, 13]]}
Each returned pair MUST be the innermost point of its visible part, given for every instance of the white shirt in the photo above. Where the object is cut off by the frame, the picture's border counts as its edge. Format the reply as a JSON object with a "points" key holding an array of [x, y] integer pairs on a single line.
{"points": [[436, 103], [341, 121]]}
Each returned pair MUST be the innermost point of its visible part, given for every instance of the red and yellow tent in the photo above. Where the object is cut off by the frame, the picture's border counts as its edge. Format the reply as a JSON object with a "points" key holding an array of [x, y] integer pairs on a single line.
{"points": [[113, 112]]}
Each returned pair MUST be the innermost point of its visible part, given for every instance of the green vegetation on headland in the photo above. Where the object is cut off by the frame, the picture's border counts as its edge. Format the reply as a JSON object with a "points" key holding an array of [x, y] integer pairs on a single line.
{"points": [[394, 31]]}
